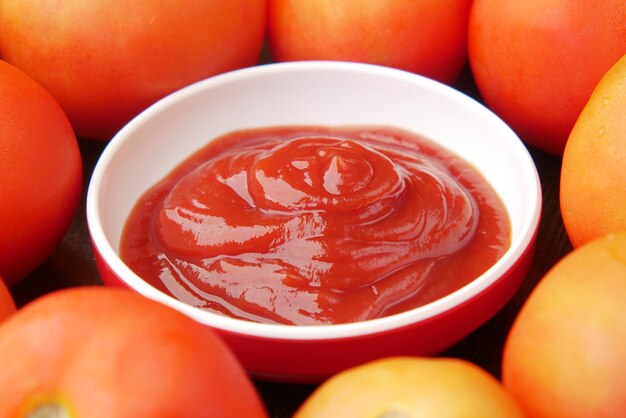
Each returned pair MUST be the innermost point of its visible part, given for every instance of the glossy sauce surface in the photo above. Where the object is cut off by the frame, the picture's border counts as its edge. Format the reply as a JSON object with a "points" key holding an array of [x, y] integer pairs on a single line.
{"points": [[316, 225]]}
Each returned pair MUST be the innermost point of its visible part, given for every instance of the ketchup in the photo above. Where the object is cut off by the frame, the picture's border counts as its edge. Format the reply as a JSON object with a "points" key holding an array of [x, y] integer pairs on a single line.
{"points": [[316, 225]]}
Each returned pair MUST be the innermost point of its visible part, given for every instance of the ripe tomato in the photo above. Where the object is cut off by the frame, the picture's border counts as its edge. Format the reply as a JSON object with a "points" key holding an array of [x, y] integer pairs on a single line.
{"points": [[411, 387], [565, 355], [7, 305], [96, 352], [423, 36], [40, 175], [593, 179], [536, 62], [105, 62]]}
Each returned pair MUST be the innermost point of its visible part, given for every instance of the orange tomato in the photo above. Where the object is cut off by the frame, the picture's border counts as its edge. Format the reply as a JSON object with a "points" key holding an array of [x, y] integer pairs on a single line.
{"points": [[105, 62], [7, 304], [423, 36], [411, 387], [565, 355], [536, 62], [40, 177], [593, 174], [96, 352]]}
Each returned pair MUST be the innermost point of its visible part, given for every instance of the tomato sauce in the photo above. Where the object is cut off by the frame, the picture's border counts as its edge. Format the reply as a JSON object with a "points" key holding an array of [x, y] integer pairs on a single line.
{"points": [[316, 225]]}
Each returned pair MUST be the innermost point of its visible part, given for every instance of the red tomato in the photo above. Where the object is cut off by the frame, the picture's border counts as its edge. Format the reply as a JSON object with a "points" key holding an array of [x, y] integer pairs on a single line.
{"points": [[565, 355], [411, 387], [536, 62], [104, 62], [40, 175], [423, 36], [7, 305], [96, 352], [592, 191]]}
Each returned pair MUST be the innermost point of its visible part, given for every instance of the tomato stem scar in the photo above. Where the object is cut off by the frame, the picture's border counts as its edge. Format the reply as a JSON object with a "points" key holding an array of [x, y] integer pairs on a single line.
{"points": [[47, 406], [393, 414], [49, 410]]}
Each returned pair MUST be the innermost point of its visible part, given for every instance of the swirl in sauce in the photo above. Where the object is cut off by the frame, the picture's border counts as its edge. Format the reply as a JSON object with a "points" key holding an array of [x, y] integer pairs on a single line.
{"points": [[316, 225]]}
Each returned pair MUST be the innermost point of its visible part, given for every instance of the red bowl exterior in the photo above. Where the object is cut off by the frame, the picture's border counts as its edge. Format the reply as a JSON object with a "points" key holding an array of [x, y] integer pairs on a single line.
{"points": [[312, 361]]}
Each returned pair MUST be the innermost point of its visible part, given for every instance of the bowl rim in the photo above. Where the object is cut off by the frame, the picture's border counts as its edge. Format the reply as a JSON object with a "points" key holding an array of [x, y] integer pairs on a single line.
{"points": [[517, 249]]}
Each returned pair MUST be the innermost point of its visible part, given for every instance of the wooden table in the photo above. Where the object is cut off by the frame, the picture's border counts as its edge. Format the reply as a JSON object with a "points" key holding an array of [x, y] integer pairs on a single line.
{"points": [[72, 264]]}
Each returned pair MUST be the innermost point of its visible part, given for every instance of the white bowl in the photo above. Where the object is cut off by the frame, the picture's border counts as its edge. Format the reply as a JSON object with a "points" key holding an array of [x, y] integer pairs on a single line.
{"points": [[321, 93]]}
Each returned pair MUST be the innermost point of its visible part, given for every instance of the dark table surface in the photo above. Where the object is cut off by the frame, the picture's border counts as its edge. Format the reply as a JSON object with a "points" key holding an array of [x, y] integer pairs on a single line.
{"points": [[72, 264]]}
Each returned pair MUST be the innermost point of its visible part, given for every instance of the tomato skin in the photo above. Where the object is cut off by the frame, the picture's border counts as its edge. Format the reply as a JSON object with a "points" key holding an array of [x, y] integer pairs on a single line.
{"points": [[102, 352], [40, 175], [105, 64], [565, 353], [536, 62], [411, 387], [591, 192], [423, 36], [7, 304]]}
